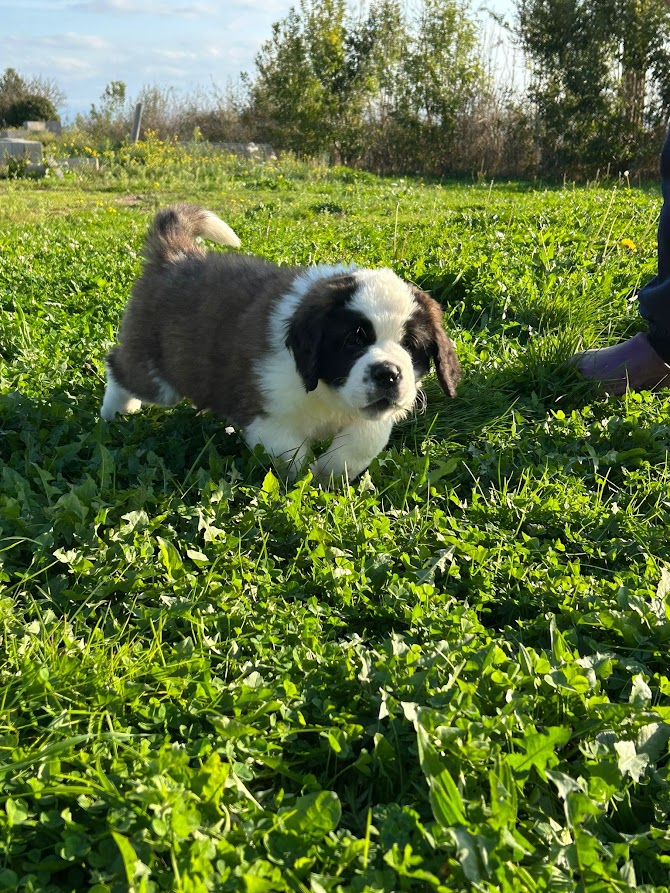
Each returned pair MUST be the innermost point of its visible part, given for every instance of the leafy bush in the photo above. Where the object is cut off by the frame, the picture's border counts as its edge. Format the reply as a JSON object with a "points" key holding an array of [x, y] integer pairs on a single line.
{"points": [[30, 108], [24, 99]]}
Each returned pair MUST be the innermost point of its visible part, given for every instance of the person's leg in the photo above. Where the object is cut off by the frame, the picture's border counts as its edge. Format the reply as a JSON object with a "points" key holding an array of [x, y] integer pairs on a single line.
{"points": [[631, 364], [654, 298], [641, 362]]}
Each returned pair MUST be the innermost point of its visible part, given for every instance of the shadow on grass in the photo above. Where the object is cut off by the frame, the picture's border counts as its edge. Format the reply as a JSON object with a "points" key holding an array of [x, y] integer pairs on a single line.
{"points": [[533, 385]]}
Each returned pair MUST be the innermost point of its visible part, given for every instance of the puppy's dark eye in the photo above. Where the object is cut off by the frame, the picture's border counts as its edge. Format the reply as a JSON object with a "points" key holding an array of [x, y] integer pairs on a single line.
{"points": [[356, 337]]}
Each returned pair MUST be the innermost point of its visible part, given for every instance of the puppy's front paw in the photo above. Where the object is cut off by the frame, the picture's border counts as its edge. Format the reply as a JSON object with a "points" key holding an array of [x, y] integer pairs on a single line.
{"points": [[320, 476], [351, 451], [329, 473], [287, 463]]}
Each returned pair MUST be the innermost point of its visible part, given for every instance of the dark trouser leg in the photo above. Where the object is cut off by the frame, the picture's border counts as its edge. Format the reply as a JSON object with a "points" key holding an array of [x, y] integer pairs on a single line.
{"points": [[654, 298]]}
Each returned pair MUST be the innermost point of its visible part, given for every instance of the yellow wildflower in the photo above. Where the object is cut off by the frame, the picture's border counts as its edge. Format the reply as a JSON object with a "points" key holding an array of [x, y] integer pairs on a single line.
{"points": [[630, 244]]}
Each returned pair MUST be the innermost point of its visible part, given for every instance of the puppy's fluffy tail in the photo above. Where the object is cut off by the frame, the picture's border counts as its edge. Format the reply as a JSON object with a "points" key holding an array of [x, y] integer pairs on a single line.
{"points": [[174, 230]]}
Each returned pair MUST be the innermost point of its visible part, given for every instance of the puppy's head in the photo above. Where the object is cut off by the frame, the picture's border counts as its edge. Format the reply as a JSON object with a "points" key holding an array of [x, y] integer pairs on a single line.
{"points": [[371, 337]]}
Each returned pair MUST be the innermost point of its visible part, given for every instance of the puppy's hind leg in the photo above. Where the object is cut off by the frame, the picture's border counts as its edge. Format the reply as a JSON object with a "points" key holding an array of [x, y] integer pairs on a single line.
{"points": [[117, 399]]}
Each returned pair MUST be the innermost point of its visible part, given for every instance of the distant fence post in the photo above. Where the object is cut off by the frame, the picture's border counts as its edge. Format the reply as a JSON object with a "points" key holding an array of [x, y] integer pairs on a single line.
{"points": [[137, 122]]}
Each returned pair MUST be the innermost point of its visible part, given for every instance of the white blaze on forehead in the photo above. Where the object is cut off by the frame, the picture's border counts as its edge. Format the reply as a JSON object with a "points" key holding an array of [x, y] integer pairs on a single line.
{"points": [[385, 300]]}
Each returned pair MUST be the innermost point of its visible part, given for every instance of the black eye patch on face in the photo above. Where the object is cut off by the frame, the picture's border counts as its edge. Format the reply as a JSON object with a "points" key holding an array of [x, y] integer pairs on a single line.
{"points": [[346, 337]]}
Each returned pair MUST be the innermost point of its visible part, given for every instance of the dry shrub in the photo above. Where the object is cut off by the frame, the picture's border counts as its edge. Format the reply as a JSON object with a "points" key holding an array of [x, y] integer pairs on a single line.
{"points": [[211, 114]]}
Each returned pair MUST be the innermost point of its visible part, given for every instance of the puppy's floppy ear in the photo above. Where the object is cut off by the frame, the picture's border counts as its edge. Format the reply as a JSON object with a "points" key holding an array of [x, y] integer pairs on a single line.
{"points": [[305, 328], [442, 351]]}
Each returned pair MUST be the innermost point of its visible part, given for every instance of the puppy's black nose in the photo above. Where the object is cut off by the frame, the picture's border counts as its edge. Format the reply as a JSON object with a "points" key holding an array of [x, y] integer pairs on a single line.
{"points": [[385, 375]]}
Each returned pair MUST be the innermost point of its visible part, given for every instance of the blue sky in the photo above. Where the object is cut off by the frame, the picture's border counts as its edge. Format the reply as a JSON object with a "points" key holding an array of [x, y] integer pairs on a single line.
{"points": [[85, 44]]}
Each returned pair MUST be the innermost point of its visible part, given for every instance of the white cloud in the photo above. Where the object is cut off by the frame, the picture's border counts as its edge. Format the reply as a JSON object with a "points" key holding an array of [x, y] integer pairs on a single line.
{"points": [[277, 8], [69, 40], [135, 7], [177, 55], [45, 5], [69, 66], [72, 41]]}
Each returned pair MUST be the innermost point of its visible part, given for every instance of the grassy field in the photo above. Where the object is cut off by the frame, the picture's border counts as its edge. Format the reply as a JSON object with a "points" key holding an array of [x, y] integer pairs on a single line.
{"points": [[451, 676]]}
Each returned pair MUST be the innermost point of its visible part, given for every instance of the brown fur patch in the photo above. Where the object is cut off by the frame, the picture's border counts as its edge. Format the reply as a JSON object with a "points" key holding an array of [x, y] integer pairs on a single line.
{"points": [[201, 323]]}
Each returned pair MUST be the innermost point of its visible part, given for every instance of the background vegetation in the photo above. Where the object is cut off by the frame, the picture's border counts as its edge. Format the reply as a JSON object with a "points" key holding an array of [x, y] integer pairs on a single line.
{"points": [[398, 87], [32, 99], [451, 676]]}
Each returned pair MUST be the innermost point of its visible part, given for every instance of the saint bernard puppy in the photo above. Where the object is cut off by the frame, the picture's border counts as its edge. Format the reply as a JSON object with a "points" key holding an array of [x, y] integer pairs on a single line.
{"points": [[290, 355]]}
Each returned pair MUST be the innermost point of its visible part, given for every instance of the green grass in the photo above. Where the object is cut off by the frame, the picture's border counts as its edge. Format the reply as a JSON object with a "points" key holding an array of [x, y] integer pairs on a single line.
{"points": [[452, 675]]}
